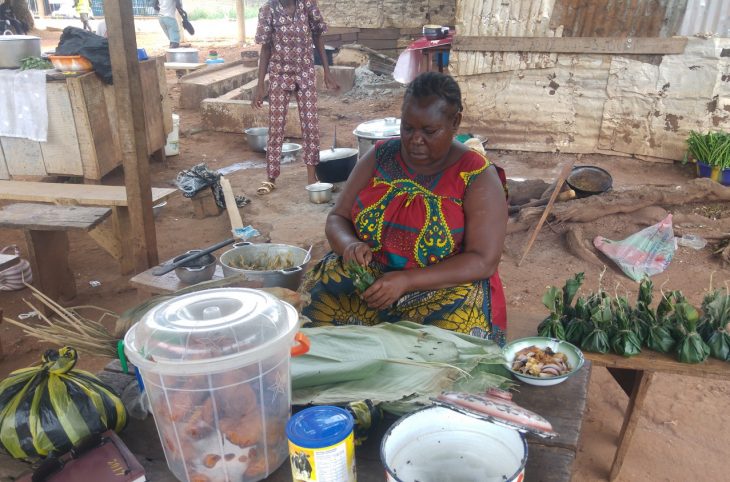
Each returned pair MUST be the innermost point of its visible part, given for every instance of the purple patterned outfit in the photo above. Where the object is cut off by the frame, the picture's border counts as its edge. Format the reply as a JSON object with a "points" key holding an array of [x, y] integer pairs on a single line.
{"points": [[291, 69]]}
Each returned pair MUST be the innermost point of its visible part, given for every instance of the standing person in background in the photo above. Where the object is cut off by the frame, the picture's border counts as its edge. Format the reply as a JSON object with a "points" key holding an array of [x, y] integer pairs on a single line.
{"points": [[168, 19], [286, 31], [83, 8]]}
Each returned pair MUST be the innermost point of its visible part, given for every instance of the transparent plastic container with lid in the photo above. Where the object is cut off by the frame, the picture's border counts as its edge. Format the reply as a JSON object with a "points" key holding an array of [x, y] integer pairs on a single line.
{"points": [[215, 365]]}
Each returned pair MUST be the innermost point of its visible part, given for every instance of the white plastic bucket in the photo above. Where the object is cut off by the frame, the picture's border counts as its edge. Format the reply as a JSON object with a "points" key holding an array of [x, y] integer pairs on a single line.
{"points": [[436, 444], [172, 148]]}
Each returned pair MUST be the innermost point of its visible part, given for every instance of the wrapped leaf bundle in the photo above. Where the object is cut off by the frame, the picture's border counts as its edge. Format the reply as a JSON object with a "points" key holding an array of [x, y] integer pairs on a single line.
{"points": [[715, 325], [49, 408], [552, 326], [624, 339], [690, 346], [597, 340]]}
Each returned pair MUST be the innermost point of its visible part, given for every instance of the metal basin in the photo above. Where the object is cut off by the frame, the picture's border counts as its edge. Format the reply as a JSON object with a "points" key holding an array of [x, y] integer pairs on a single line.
{"points": [[183, 55], [260, 255], [320, 192]]}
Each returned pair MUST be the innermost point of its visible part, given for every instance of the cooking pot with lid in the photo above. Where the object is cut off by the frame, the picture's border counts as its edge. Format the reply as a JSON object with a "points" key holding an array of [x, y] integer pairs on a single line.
{"points": [[183, 55], [14, 48], [335, 165], [370, 132]]}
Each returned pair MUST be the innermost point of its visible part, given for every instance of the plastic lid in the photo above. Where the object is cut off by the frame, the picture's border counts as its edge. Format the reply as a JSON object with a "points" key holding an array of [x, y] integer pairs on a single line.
{"points": [[318, 427], [211, 330], [497, 407], [386, 128]]}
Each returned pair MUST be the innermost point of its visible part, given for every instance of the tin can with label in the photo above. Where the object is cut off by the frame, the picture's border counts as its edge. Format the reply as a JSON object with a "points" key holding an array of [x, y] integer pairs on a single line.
{"points": [[321, 445]]}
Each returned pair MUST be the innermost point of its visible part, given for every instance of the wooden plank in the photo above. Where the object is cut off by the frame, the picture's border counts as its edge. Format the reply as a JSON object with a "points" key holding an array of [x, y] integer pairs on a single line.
{"points": [[84, 135], [184, 65], [633, 411], [549, 464], [660, 362], [4, 174], [152, 100], [48, 256], [82, 194], [23, 157], [379, 44], [578, 45], [166, 104], [107, 151], [51, 218], [378, 33], [61, 154], [105, 237], [150, 284], [565, 417]]}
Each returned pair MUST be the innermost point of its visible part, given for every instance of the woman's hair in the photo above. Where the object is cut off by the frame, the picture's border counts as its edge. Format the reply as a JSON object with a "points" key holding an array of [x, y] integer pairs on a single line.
{"points": [[438, 85]]}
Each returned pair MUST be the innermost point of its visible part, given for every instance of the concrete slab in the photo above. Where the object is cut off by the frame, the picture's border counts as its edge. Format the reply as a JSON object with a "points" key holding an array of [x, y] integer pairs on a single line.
{"points": [[213, 81], [343, 75], [238, 115]]}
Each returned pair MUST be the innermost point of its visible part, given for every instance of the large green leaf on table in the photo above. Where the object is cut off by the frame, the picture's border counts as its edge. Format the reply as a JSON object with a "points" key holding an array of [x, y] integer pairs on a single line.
{"points": [[398, 365]]}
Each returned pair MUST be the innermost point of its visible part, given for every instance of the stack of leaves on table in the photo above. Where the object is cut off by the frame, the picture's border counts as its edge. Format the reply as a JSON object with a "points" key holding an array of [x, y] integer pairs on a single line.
{"points": [[603, 323]]}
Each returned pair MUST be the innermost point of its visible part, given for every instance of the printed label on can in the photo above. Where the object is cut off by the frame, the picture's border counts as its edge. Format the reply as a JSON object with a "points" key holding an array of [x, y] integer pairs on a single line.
{"points": [[335, 463]]}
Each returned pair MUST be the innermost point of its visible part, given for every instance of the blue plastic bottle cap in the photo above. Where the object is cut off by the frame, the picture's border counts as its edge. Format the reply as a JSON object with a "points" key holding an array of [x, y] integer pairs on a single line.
{"points": [[317, 427]]}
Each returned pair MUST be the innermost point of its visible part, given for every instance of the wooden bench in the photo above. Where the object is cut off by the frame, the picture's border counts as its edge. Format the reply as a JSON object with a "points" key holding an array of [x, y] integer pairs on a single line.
{"points": [[114, 238], [45, 230]]}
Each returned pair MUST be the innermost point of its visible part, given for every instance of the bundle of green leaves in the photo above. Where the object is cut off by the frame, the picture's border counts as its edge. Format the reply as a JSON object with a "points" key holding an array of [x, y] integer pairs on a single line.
{"points": [[714, 325], [712, 148]]}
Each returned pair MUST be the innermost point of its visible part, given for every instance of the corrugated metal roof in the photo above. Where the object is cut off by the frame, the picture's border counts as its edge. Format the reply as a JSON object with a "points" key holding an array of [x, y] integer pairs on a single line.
{"points": [[706, 16]]}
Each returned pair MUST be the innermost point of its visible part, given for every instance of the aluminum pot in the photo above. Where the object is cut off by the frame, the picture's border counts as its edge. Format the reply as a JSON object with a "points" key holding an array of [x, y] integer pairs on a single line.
{"points": [[14, 48], [320, 192], [256, 137], [370, 132], [184, 55], [258, 254], [335, 165], [197, 270]]}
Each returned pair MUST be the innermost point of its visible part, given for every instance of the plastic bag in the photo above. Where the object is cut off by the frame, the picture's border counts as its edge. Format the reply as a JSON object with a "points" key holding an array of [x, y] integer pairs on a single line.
{"points": [[77, 41], [48, 408], [645, 253], [192, 181]]}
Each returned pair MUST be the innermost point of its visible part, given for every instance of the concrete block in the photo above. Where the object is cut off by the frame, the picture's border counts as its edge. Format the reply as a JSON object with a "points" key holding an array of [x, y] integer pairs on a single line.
{"points": [[213, 82], [246, 92], [344, 76], [239, 115]]}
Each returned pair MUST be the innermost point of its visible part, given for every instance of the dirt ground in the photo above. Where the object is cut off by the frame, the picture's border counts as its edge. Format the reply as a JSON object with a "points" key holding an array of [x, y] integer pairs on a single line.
{"points": [[681, 434]]}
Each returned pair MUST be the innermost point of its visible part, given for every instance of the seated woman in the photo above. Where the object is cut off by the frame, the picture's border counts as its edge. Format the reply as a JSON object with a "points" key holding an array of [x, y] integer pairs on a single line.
{"points": [[427, 216]]}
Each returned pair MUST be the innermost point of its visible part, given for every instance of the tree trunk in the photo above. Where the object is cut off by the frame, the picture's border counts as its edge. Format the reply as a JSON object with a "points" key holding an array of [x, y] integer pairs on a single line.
{"points": [[22, 12]]}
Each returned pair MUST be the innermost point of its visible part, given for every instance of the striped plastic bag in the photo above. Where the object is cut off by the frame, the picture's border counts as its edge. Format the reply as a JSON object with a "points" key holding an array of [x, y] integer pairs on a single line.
{"points": [[642, 254], [48, 408]]}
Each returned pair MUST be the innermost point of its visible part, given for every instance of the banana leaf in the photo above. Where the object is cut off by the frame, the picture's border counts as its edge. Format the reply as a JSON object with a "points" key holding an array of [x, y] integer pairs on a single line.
{"points": [[597, 340], [577, 330], [659, 339], [552, 326], [401, 365], [719, 344], [570, 289], [691, 348], [624, 339]]}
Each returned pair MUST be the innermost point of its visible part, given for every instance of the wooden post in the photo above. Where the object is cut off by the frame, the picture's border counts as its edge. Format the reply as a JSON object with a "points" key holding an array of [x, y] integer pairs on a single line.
{"points": [[241, 20], [132, 131]]}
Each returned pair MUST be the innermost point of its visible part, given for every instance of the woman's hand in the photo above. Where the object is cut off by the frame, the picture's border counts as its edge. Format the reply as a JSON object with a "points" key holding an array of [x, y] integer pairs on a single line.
{"points": [[386, 290], [330, 81], [359, 252], [258, 97]]}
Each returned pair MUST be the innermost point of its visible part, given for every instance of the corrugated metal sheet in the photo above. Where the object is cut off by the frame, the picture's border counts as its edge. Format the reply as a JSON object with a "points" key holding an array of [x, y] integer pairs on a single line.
{"points": [[618, 18], [706, 16]]}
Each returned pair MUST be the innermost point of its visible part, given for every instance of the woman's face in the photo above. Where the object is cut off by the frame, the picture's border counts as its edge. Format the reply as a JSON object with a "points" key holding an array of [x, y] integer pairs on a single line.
{"points": [[428, 126]]}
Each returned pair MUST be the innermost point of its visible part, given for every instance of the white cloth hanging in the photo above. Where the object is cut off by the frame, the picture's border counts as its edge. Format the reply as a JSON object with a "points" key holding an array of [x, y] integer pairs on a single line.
{"points": [[23, 104]]}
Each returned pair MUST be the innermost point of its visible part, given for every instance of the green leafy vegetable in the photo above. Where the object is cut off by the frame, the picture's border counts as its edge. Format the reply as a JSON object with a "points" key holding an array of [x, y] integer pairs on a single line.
{"points": [[552, 326], [361, 277], [35, 63], [715, 324], [690, 346], [597, 340], [624, 340]]}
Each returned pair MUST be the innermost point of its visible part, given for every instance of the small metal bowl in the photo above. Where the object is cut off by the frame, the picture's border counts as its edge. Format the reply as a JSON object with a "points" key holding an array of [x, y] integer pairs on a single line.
{"points": [[575, 358], [289, 152], [320, 192], [256, 137], [197, 270]]}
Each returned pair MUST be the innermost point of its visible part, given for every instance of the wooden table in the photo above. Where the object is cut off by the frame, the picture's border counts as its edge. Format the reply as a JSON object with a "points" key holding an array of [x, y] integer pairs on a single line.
{"points": [[548, 460], [148, 284], [635, 375], [45, 229], [113, 239]]}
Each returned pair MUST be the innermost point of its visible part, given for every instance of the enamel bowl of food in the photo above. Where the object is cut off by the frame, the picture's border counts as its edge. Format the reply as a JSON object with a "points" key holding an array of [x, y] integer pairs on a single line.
{"points": [[542, 361]]}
